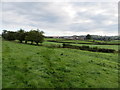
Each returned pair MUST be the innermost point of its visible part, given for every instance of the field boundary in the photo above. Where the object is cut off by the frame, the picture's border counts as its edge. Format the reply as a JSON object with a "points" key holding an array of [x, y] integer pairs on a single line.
{"points": [[84, 47], [87, 48], [94, 43]]}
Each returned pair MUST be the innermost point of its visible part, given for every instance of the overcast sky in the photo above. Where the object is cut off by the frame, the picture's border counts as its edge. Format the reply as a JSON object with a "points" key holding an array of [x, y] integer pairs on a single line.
{"points": [[62, 19]]}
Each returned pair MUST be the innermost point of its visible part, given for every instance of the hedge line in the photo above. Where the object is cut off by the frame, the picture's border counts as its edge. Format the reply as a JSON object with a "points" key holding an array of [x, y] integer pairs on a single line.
{"points": [[87, 48]]}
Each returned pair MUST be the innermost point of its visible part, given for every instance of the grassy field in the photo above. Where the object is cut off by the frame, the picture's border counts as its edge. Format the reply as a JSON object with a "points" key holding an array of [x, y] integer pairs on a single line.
{"points": [[88, 43], [115, 47], [113, 41], [29, 66], [84, 41], [66, 40], [51, 44]]}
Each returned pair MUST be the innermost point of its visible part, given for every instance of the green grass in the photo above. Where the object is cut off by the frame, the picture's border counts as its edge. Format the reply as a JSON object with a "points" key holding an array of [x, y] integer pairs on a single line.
{"points": [[77, 41], [84, 41], [29, 66], [58, 39], [115, 47], [113, 41], [66, 40], [51, 44]]}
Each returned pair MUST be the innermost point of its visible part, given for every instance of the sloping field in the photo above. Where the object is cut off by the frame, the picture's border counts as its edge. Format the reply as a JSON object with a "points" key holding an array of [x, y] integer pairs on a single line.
{"points": [[28, 66]]}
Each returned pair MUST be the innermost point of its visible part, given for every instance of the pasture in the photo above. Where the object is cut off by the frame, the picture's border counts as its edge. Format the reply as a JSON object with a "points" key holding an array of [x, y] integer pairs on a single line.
{"points": [[115, 47], [86, 43], [29, 66]]}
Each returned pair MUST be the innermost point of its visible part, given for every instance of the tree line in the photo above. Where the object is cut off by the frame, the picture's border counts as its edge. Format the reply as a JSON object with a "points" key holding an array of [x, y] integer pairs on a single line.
{"points": [[22, 35]]}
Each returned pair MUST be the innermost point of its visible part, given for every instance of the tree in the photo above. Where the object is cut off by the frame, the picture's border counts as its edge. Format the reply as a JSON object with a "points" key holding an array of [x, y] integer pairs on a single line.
{"points": [[88, 37], [20, 35], [4, 34], [30, 36], [39, 37], [35, 36], [26, 37], [10, 35]]}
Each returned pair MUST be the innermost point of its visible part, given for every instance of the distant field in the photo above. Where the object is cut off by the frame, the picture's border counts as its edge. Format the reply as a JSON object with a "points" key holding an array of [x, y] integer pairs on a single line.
{"points": [[100, 46], [51, 43], [66, 40], [29, 66], [115, 47], [113, 41], [88, 43], [84, 41], [59, 39]]}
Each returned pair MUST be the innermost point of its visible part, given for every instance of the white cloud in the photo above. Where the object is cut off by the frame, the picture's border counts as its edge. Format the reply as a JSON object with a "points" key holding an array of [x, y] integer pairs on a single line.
{"points": [[57, 18], [60, 0]]}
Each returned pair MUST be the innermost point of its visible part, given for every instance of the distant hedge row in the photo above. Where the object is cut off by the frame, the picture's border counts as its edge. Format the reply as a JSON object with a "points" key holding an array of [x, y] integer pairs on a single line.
{"points": [[87, 48]]}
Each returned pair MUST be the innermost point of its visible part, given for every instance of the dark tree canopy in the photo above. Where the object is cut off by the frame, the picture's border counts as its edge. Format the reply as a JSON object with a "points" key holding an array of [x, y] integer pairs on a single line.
{"points": [[88, 37], [9, 35], [20, 35], [4, 34], [33, 36]]}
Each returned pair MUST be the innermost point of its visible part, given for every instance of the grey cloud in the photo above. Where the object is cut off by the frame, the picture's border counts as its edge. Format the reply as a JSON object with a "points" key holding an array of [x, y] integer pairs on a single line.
{"points": [[52, 16]]}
